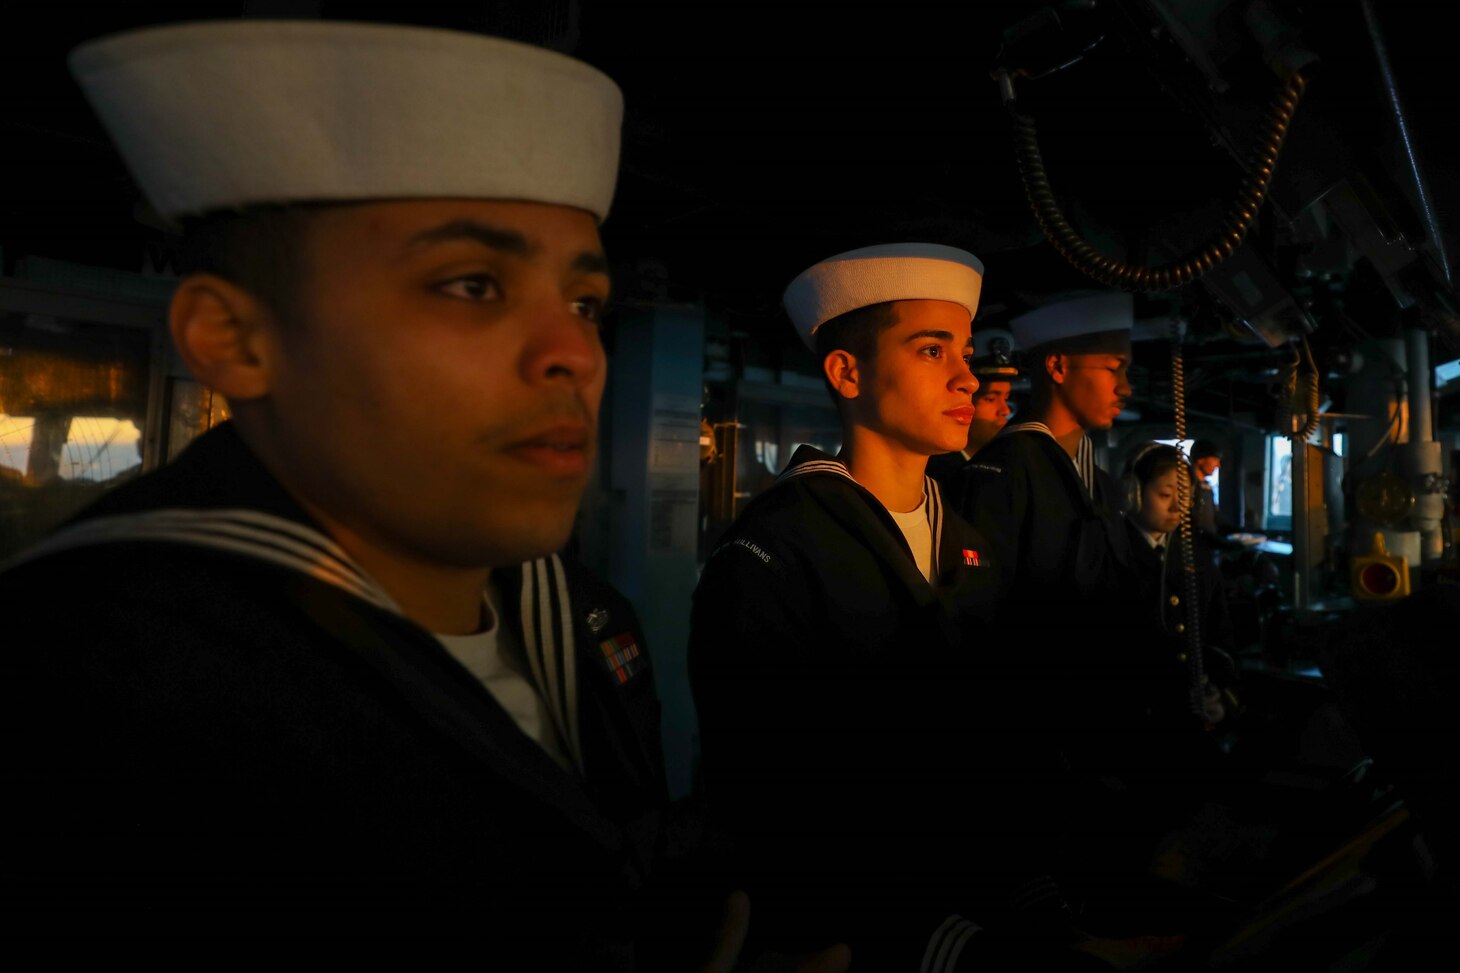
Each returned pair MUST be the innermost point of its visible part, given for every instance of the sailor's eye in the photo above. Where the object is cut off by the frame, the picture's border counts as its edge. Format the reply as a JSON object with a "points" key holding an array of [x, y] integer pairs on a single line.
{"points": [[589, 307], [471, 287]]}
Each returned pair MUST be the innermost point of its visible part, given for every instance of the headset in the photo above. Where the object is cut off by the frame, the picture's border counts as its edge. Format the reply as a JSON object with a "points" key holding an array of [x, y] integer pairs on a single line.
{"points": [[1130, 483], [1133, 503]]}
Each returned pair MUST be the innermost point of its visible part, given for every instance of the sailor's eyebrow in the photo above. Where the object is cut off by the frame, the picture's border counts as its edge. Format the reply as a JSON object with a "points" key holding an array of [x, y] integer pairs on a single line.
{"points": [[502, 240], [494, 237], [591, 262], [939, 335]]}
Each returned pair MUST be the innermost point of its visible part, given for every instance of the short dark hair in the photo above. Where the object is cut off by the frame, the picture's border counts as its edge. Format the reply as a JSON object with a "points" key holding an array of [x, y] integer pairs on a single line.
{"points": [[856, 333], [259, 248], [1154, 462], [1031, 361], [1205, 447]]}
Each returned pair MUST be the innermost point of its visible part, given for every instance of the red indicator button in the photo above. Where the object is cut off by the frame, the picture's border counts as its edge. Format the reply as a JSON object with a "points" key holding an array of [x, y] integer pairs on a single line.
{"points": [[1379, 579]]}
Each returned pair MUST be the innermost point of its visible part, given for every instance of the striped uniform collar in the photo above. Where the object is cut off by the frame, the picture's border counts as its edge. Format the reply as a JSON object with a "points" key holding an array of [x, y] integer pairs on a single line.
{"points": [[546, 613], [239, 531], [1084, 453], [821, 464], [547, 634]]}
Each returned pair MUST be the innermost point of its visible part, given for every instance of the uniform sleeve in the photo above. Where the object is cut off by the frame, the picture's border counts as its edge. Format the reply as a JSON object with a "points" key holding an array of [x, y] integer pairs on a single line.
{"points": [[750, 642], [748, 622], [796, 770], [995, 500]]}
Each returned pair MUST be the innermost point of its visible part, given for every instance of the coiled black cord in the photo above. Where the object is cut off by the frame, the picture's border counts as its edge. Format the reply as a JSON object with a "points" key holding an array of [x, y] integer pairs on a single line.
{"points": [[1196, 677], [1300, 398], [1106, 269]]}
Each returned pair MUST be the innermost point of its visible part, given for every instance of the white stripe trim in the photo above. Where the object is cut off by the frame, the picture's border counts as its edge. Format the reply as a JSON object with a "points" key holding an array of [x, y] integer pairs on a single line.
{"points": [[530, 639], [570, 663], [546, 644], [969, 931], [556, 684], [530, 642], [956, 931], [935, 941], [816, 466], [1031, 426], [251, 533], [946, 943], [1084, 461], [933, 495], [1039, 889]]}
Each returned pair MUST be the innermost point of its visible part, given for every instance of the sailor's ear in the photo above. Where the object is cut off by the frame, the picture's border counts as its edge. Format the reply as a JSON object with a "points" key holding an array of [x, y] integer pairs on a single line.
{"points": [[1057, 367], [844, 373], [227, 337]]}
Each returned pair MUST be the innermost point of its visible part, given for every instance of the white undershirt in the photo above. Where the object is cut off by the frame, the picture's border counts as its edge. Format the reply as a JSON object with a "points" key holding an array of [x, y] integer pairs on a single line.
{"points": [[495, 658], [914, 527]]}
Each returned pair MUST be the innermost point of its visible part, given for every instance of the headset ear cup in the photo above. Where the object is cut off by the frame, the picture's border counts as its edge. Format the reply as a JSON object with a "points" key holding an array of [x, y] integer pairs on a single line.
{"points": [[1131, 481]]}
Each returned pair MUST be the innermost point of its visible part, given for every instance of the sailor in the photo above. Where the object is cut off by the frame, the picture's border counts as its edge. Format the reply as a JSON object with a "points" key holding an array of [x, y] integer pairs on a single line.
{"points": [[1053, 517], [325, 676], [1035, 490], [1206, 459], [1153, 514], [832, 643], [996, 373]]}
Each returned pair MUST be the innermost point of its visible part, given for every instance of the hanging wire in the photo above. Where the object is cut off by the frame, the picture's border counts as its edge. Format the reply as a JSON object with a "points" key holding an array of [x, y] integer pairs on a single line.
{"points": [[1391, 428], [1116, 273], [1300, 400], [1391, 89]]}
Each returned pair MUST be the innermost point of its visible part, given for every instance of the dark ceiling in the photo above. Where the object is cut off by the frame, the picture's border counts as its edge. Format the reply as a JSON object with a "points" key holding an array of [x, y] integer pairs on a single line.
{"points": [[760, 137]]}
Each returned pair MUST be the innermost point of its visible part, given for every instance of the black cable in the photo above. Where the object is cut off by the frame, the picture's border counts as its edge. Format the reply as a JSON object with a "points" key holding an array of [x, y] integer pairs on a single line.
{"points": [[1196, 677], [1391, 88], [1110, 271]]}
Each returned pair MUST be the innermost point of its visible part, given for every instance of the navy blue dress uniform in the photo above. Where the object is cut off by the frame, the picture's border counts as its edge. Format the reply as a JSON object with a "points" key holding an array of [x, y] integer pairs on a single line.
{"points": [[1055, 521], [1071, 620], [852, 744], [219, 726], [1163, 593], [848, 730], [946, 468], [1172, 742]]}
